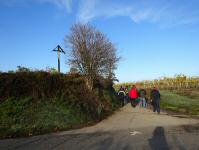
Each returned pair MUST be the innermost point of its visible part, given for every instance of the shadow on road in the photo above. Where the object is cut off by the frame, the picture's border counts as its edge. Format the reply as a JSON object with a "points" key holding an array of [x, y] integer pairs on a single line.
{"points": [[158, 140]]}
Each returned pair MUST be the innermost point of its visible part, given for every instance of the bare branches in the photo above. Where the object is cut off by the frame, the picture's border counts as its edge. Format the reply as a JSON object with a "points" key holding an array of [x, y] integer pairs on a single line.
{"points": [[91, 52]]}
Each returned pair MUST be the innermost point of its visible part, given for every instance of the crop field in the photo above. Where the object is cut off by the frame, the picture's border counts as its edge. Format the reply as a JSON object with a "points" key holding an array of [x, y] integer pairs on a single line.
{"points": [[179, 94]]}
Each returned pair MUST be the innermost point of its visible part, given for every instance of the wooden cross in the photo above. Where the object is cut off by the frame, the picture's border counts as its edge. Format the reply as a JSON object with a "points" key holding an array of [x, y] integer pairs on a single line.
{"points": [[59, 50]]}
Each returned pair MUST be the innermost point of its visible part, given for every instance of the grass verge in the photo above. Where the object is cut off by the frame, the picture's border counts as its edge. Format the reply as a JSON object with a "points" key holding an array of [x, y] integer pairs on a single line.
{"points": [[179, 103], [29, 116]]}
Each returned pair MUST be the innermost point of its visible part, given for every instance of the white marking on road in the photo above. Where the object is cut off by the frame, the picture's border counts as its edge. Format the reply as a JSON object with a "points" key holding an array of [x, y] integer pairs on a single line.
{"points": [[135, 132]]}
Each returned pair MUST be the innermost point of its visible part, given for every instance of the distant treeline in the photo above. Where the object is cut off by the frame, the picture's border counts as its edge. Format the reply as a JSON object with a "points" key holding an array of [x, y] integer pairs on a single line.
{"points": [[168, 83]]}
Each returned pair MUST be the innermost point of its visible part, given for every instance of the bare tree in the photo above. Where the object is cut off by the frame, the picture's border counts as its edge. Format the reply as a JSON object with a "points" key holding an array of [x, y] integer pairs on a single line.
{"points": [[91, 52]]}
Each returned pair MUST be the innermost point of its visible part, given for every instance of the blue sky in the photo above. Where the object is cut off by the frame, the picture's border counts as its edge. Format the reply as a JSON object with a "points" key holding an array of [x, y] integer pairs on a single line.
{"points": [[154, 37]]}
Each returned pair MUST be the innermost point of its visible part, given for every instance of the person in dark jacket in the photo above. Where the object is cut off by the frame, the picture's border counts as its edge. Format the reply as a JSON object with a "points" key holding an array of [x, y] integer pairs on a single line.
{"points": [[121, 96], [127, 95], [155, 100]]}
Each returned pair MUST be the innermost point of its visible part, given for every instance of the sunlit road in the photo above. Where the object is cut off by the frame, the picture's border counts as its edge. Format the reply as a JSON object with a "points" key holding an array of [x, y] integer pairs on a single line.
{"points": [[130, 128]]}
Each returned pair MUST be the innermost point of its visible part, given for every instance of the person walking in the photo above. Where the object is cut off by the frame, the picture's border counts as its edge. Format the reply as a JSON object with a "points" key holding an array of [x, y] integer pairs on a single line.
{"points": [[142, 94], [122, 95], [127, 94], [133, 95], [155, 100]]}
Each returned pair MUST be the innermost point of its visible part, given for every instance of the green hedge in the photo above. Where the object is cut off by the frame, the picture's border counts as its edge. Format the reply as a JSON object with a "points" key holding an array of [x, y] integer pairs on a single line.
{"points": [[37, 102], [36, 84], [44, 85]]}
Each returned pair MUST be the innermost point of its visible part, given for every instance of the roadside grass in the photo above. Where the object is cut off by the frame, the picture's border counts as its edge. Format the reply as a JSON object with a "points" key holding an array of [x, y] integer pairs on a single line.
{"points": [[179, 103], [27, 117], [37, 102]]}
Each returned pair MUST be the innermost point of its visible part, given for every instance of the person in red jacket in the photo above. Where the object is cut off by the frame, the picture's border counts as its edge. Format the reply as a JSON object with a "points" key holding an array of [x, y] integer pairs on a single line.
{"points": [[133, 94]]}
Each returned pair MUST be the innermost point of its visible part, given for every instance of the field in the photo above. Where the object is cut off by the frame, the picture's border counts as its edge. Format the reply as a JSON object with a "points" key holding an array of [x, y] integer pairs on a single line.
{"points": [[179, 93], [180, 101]]}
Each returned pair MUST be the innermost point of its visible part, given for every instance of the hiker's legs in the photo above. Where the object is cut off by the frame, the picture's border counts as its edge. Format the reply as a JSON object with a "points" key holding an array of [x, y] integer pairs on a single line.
{"points": [[121, 103], [125, 100], [154, 106], [133, 102], [140, 103], [158, 106], [144, 102]]}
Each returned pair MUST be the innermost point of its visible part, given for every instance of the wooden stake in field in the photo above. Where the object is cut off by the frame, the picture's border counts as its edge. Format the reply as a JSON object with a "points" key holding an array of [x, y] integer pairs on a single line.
{"points": [[59, 50]]}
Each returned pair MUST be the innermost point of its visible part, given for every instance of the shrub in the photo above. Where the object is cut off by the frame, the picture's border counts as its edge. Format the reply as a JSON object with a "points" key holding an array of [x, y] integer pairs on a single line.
{"points": [[70, 88], [39, 102]]}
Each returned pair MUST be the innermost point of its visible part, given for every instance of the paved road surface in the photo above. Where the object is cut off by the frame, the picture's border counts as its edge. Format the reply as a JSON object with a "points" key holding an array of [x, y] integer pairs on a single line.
{"points": [[130, 128]]}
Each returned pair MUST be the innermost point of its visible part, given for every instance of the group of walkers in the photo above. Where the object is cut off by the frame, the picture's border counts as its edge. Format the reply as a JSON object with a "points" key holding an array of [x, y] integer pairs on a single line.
{"points": [[139, 97]]}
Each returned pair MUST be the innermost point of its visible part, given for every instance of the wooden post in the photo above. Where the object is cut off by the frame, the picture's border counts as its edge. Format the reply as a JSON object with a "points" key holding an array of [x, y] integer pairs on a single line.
{"points": [[58, 59], [59, 50]]}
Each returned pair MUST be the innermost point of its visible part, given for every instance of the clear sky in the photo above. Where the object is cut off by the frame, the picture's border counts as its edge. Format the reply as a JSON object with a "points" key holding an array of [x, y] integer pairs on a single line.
{"points": [[154, 37]]}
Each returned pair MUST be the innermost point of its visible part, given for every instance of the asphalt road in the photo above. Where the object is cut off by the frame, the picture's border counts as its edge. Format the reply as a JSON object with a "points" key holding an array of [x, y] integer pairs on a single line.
{"points": [[129, 128]]}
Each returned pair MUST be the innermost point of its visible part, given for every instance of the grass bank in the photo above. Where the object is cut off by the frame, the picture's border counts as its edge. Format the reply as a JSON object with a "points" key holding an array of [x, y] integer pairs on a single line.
{"points": [[28, 116], [180, 102], [33, 103]]}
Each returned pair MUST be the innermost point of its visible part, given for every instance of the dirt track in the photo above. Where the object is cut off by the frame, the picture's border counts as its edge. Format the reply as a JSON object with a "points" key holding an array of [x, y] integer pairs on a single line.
{"points": [[129, 128]]}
